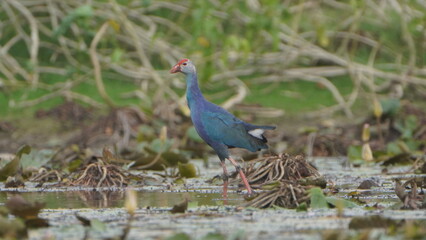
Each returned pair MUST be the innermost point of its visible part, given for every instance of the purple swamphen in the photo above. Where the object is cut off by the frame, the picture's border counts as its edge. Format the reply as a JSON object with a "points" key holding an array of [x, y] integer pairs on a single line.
{"points": [[219, 128]]}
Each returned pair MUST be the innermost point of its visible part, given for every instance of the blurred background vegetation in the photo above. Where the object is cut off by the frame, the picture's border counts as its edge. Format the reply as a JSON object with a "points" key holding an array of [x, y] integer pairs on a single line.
{"points": [[312, 57]]}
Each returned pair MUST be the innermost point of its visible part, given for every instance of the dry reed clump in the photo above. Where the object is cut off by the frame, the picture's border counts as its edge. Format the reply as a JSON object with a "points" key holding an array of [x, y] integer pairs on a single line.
{"points": [[280, 168], [287, 179], [100, 174], [287, 195]]}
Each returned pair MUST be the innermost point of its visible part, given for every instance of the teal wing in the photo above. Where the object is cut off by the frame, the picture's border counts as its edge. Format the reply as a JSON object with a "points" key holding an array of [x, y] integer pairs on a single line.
{"points": [[225, 128]]}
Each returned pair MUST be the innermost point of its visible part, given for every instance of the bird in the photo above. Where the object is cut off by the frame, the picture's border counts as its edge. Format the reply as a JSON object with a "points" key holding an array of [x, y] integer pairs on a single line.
{"points": [[219, 128]]}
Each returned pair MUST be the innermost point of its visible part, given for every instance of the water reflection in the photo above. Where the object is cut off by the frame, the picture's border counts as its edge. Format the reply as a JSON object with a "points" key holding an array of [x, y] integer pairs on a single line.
{"points": [[111, 199]]}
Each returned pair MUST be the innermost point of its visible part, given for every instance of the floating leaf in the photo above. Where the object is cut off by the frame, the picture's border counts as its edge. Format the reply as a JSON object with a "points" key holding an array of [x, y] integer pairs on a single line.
{"points": [[214, 236], [187, 170], [317, 197], [97, 225], [193, 204], [368, 184], [12, 167], [375, 221], [180, 207], [179, 236], [399, 159], [335, 201], [173, 158], [85, 221], [36, 223]]}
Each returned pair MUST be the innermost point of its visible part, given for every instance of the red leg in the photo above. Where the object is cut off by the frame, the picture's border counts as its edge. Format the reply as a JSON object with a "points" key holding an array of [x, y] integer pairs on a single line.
{"points": [[225, 180], [242, 175]]}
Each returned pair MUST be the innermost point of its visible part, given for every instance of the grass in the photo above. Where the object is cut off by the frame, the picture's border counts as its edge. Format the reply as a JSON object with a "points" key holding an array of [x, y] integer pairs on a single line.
{"points": [[221, 37]]}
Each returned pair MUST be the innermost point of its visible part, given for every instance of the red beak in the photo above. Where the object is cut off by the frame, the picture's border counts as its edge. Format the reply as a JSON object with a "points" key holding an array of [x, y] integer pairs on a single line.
{"points": [[175, 68]]}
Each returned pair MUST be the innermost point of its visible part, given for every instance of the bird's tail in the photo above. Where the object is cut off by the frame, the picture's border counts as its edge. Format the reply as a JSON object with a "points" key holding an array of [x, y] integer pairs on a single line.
{"points": [[257, 133]]}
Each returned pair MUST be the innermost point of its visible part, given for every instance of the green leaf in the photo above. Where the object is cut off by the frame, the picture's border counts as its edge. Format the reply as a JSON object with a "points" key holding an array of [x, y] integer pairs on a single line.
{"points": [[302, 207], [80, 12], [179, 236], [214, 236], [37, 158], [390, 106], [393, 148], [318, 199], [97, 225], [116, 55], [346, 203], [12, 167], [355, 154], [173, 158], [160, 146], [187, 170], [83, 11]]}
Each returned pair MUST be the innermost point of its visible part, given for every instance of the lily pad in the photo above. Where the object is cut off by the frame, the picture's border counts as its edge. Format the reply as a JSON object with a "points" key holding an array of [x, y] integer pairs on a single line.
{"points": [[187, 170], [318, 199]]}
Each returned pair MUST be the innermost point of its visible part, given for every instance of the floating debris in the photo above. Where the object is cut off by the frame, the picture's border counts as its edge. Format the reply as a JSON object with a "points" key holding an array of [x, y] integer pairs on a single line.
{"points": [[180, 207], [412, 200], [375, 221], [101, 174], [15, 181], [282, 167], [43, 175], [288, 194], [368, 184], [287, 178]]}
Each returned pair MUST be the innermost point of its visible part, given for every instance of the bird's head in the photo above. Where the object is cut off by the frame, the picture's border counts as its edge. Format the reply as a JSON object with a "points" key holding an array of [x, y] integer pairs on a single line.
{"points": [[184, 66]]}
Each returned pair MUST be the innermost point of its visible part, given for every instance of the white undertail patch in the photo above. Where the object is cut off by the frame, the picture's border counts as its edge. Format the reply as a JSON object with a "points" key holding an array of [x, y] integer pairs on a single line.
{"points": [[257, 133]]}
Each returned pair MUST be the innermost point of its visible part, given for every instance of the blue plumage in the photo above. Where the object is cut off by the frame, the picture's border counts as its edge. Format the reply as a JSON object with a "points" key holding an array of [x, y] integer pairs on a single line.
{"points": [[217, 127]]}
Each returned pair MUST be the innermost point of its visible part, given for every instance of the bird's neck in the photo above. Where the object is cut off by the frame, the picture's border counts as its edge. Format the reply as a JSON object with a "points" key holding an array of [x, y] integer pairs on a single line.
{"points": [[193, 93]]}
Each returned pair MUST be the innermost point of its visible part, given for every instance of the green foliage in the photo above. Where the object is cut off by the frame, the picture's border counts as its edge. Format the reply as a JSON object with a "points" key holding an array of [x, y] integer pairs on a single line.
{"points": [[179, 236], [187, 170], [334, 201], [255, 42], [12, 167], [317, 198], [355, 154], [84, 11]]}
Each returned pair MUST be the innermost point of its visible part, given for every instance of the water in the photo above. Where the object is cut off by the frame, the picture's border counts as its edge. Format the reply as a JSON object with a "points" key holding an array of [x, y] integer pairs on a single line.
{"points": [[208, 213], [115, 199]]}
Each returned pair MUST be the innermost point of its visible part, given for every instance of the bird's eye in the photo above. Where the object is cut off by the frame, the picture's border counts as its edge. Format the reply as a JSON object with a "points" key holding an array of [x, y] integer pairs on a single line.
{"points": [[184, 64]]}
